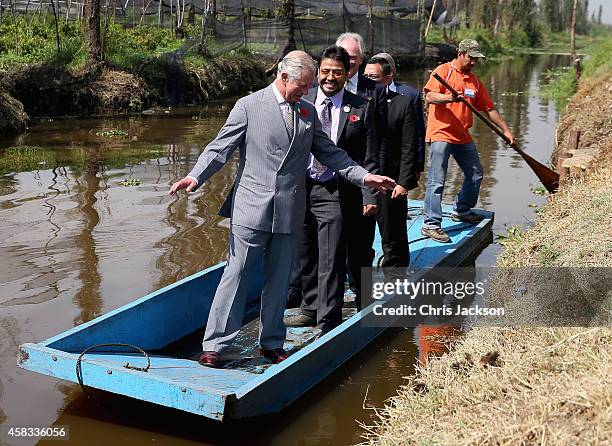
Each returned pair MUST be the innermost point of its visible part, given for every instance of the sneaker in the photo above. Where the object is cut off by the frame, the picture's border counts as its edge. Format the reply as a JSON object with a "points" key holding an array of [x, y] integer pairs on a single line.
{"points": [[470, 217], [436, 234]]}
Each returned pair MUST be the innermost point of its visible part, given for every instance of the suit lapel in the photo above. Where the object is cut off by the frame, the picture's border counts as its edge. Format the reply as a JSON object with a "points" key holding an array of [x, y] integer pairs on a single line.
{"points": [[344, 112], [279, 132]]}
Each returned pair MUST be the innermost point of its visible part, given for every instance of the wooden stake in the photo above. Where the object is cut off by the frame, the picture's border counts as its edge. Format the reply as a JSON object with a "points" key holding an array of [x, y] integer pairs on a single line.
{"points": [[433, 7]]}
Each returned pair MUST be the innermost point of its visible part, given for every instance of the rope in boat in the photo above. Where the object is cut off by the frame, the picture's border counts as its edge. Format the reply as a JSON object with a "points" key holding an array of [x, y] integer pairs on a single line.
{"points": [[79, 371]]}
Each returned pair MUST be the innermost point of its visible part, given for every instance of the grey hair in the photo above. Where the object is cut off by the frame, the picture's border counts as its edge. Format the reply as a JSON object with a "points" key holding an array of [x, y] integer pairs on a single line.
{"points": [[387, 57], [353, 36], [295, 66]]}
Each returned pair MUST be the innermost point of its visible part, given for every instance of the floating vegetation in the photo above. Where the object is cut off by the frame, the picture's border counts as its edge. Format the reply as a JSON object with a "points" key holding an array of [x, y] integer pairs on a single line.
{"points": [[20, 158], [111, 133], [514, 232], [539, 190], [532, 205], [130, 182]]}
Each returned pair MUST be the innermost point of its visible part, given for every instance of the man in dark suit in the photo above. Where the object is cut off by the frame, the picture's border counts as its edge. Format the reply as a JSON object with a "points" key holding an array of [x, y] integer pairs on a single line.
{"points": [[399, 158], [335, 210], [356, 82], [415, 99]]}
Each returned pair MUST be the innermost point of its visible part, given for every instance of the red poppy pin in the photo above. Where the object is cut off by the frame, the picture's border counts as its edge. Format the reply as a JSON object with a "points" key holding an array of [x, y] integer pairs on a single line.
{"points": [[304, 113], [354, 118]]}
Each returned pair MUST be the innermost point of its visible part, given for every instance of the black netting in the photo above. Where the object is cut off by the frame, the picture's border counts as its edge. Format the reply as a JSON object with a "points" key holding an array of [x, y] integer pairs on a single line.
{"points": [[255, 23]]}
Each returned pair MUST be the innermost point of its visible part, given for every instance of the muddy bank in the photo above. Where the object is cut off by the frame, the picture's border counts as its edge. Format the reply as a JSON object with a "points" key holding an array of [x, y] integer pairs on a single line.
{"points": [[12, 117], [46, 90]]}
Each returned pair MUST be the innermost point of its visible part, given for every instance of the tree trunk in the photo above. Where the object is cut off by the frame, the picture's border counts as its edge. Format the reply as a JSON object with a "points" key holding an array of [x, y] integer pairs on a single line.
{"points": [[575, 60], [17, 46], [93, 45], [422, 16], [57, 35], [286, 16]]}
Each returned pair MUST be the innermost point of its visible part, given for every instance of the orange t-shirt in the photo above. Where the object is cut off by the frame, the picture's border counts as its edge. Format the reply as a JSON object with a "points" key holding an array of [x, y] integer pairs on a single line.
{"points": [[450, 122]]}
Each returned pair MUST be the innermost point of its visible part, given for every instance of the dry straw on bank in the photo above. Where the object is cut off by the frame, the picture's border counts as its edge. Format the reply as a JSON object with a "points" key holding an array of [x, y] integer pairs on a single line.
{"points": [[548, 386], [530, 386]]}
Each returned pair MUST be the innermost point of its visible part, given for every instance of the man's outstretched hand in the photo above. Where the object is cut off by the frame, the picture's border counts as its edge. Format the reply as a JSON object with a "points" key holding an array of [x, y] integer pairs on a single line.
{"points": [[379, 182], [186, 183]]}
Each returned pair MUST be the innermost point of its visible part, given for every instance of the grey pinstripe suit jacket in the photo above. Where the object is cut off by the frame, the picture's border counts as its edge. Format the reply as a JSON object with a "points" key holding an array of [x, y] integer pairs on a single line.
{"points": [[270, 192]]}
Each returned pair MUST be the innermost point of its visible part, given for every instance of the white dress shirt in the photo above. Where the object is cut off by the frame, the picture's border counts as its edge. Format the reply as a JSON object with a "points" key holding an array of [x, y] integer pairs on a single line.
{"points": [[351, 84], [335, 111], [336, 101], [282, 102]]}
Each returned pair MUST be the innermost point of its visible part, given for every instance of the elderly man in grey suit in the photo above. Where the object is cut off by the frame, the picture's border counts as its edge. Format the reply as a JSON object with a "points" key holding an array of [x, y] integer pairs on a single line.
{"points": [[274, 131]]}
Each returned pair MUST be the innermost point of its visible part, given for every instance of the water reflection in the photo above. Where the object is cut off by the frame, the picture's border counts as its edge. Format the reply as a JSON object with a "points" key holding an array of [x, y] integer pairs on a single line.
{"points": [[75, 243], [88, 297]]}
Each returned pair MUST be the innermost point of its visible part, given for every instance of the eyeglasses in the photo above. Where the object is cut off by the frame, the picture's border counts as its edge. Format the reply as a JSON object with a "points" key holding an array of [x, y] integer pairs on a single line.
{"points": [[372, 76], [335, 73]]}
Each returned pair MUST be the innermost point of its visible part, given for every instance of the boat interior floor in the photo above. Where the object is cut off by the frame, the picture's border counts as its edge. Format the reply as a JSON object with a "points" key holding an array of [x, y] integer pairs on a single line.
{"points": [[244, 353]]}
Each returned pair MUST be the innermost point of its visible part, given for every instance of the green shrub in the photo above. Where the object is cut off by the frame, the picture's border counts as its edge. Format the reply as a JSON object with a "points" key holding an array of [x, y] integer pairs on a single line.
{"points": [[124, 48], [560, 82], [25, 42]]}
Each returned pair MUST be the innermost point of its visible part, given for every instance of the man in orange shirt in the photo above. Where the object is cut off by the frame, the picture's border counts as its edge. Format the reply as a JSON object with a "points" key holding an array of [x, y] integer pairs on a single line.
{"points": [[447, 131]]}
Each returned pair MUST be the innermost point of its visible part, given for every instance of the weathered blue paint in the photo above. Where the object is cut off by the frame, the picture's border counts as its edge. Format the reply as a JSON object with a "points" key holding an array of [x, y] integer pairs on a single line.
{"points": [[248, 385]]}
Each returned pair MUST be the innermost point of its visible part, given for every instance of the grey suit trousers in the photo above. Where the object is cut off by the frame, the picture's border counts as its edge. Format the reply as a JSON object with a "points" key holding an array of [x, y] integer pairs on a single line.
{"points": [[249, 248]]}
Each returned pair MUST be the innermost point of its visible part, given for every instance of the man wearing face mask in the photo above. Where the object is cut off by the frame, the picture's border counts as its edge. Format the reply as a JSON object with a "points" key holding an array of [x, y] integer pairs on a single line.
{"points": [[400, 159], [448, 123], [335, 210]]}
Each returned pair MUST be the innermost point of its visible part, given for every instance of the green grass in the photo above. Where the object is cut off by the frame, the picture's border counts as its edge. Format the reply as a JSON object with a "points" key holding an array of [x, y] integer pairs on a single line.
{"points": [[560, 82], [23, 42]]}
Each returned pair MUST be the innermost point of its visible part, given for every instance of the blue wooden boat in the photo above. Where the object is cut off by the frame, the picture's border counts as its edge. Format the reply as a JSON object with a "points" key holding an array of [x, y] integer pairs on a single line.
{"points": [[168, 325]]}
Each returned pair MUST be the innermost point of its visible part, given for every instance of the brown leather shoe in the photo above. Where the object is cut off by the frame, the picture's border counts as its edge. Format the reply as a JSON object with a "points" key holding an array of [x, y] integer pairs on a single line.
{"points": [[275, 356], [300, 320], [210, 359]]}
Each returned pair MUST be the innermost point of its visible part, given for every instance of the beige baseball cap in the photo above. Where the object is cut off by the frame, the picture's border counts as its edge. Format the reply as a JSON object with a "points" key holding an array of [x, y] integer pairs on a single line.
{"points": [[471, 47]]}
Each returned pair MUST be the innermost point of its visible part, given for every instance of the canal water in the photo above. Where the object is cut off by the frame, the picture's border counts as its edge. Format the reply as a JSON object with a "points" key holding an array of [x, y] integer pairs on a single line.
{"points": [[87, 226]]}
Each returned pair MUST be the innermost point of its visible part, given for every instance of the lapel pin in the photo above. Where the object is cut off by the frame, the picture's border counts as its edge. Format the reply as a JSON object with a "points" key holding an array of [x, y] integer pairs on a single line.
{"points": [[347, 108]]}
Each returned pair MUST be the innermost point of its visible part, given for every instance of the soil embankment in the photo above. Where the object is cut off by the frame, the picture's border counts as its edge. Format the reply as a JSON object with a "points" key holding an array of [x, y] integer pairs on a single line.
{"points": [[507, 386], [585, 131], [47, 90], [12, 117]]}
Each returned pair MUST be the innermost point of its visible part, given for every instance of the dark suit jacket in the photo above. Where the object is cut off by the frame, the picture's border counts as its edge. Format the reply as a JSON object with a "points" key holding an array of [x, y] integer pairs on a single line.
{"points": [[415, 97], [356, 134], [399, 148]]}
